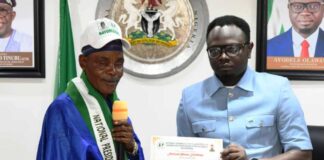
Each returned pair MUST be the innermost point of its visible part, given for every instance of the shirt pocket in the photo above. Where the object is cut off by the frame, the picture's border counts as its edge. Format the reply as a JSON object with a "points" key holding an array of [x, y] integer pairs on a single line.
{"points": [[204, 128], [261, 131]]}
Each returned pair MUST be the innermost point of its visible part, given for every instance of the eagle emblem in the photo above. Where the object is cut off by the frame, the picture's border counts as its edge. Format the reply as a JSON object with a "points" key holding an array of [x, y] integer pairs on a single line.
{"points": [[162, 26], [165, 35]]}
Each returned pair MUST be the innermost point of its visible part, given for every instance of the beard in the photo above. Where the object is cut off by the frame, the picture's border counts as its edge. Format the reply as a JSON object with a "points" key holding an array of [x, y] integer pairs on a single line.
{"points": [[307, 31]]}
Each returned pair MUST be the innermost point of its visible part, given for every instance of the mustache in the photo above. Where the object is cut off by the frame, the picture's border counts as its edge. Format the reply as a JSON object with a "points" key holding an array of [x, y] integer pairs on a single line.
{"points": [[111, 79]]}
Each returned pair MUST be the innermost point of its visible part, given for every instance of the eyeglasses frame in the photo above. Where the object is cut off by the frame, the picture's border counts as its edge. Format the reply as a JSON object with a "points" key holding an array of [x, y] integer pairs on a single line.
{"points": [[222, 47], [305, 5]]}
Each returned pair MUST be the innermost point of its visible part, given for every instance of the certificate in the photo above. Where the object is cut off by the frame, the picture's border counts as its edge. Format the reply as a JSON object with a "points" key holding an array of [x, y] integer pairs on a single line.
{"points": [[185, 148]]}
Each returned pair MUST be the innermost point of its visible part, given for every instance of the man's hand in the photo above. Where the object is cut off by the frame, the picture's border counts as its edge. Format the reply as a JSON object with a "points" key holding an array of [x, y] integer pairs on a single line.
{"points": [[123, 133], [234, 152]]}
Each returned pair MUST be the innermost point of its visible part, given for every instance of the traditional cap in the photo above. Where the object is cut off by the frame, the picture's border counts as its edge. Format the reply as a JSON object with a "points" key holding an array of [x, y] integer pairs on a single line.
{"points": [[100, 32], [11, 3]]}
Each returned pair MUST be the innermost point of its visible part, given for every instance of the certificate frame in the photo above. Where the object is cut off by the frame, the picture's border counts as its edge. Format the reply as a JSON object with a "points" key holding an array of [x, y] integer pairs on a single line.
{"points": [[37, 70], [262, 63]]}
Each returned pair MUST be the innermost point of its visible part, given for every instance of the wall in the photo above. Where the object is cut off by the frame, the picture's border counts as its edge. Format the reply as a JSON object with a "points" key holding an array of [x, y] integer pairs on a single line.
{"points": [[152, 103]]}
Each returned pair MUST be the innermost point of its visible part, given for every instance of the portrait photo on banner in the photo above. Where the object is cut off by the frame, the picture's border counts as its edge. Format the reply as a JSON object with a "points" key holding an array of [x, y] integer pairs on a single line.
{"points": [[21, 36], [291, 38]]}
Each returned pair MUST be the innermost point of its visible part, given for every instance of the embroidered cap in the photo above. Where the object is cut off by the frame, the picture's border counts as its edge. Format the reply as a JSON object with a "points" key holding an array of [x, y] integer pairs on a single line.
{"points": [[100, 32], [11, 3]]}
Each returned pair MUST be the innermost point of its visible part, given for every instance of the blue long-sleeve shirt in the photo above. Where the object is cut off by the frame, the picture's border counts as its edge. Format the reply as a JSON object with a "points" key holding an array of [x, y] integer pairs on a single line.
{"points": [[260, 113]]}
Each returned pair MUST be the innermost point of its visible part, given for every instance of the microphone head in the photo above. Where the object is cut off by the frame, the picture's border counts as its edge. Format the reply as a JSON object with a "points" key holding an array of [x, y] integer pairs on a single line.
{"points": [[119, 111]]}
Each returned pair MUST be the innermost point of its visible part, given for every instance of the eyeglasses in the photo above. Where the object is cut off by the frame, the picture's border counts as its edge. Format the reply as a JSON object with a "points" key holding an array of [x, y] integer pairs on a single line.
{"points": [[4, 12], [230, 50], [311, 7]]}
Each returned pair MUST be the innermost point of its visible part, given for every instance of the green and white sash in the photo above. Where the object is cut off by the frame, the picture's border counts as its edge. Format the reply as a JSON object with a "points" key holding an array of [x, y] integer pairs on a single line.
{"points": [[94, 110]]}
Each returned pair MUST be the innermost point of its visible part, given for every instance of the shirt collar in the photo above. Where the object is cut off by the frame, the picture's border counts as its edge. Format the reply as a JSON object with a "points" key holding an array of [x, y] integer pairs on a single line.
{"points": [[213, 84], [246, 82], [298, 39]]}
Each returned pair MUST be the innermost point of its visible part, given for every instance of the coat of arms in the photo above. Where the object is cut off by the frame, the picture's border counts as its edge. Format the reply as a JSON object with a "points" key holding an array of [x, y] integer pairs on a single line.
{"points": [[158, 30]]}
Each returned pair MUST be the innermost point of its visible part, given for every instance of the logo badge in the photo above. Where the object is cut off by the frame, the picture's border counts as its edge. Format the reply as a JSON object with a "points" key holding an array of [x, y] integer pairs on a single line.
{"points": [[166, 35]]}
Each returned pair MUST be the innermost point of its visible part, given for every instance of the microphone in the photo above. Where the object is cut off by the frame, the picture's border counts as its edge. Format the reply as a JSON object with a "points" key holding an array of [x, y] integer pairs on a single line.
{"points": [[120, 113]]}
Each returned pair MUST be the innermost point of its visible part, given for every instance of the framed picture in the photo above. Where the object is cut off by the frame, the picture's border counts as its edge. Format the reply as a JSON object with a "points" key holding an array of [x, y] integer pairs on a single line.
{"points": [[281, 46], [22, 47]]}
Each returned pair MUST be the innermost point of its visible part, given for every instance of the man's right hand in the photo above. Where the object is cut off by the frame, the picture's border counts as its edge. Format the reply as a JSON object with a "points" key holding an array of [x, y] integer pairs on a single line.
{"points": [[234, 152]]}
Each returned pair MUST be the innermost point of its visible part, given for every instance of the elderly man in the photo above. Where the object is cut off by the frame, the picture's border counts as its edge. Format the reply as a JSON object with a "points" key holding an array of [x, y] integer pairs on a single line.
{"points": [[12, 40], [78, 124]]}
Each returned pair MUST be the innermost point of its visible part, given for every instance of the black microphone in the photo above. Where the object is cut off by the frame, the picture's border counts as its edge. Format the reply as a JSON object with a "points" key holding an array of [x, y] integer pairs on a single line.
{"points": [[120, 152]]}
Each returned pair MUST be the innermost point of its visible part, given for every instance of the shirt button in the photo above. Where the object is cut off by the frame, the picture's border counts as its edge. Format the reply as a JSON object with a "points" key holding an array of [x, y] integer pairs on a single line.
{"points": [[230, 94], [261, 123], [231, 118]]}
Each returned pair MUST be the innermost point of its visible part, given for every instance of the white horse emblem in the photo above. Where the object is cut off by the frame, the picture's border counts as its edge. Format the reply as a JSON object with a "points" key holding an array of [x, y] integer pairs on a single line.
{"points": [[133, 14], [167, 18]]}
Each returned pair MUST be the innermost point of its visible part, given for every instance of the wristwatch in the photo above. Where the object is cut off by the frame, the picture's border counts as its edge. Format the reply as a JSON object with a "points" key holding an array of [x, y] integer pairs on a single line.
{"points": [[254, 159], [135, 149]]}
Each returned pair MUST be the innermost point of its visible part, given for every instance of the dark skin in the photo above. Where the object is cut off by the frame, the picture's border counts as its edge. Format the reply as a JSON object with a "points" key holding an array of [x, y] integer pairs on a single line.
{"points": [[234, 152], [305, 22], [6, 21], [230, 69], [104, 70]]}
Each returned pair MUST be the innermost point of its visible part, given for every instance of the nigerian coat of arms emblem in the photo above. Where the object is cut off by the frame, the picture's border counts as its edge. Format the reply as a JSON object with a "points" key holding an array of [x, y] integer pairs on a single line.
{"points": [[166, 35]]}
